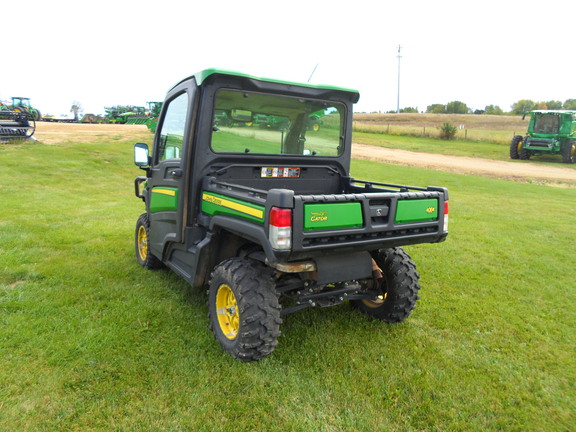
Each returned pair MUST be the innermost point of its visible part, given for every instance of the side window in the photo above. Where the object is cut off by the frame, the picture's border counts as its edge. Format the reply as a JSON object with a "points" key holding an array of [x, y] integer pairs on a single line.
{"points": [[172, 134]]}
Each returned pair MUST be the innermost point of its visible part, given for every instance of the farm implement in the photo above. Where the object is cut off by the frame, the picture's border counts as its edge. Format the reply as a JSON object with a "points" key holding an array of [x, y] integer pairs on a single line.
{"points": [[16, 125]]}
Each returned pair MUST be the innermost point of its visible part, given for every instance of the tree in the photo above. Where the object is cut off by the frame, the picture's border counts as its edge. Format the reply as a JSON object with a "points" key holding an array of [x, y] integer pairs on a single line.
{"points": [[76, 108], [436, 109], [541, 106], [456, 107], [493, 110], [409, 110], [522, 106], [569, 104], [554, 105]]}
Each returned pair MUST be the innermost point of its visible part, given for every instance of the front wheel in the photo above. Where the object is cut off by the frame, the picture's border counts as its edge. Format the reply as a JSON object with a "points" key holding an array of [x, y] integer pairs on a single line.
{"points": [[399, 287], [515, 147], [569, 152], [243, 308]]}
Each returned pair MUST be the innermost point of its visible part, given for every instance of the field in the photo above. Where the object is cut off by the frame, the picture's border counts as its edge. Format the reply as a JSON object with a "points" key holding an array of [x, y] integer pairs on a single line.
{"points": [[488, 128], [90, 341]]}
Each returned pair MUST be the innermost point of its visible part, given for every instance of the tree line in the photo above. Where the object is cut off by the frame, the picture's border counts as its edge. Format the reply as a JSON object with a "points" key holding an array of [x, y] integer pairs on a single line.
{"points": [[520, 107]]}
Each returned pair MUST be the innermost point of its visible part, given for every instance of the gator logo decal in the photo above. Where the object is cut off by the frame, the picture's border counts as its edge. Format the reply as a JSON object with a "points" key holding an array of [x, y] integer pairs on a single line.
{"points": [[430, 210], [321, 216]]}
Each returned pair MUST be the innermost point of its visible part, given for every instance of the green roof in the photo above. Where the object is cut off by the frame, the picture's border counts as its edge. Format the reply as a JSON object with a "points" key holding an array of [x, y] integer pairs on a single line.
{"points": [[202, 75]]}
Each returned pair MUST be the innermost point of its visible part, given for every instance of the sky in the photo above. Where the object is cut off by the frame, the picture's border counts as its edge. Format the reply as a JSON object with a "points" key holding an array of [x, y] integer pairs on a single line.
{"points": [[109, 53]]}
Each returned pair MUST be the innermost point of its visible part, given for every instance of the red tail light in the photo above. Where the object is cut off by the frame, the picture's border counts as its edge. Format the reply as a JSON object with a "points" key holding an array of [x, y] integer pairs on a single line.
{"points": [[445, 216], [280, 217], [280, 228]]}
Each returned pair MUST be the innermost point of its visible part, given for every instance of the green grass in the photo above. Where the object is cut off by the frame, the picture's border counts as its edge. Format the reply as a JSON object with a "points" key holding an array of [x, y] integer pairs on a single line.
{"points": [[91, 341]]}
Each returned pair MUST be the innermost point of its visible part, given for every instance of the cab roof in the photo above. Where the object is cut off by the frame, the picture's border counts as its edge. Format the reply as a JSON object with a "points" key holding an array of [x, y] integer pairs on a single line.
{"points": [[201, 76]]}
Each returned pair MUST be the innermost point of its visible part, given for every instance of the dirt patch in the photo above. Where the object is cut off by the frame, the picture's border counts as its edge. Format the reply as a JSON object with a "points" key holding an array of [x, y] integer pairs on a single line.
{"points": [[524, 171], [52, 133]]}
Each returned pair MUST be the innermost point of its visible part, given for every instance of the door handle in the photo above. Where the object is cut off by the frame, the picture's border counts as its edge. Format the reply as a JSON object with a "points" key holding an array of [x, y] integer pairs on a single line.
{"points": [[177, 172]]}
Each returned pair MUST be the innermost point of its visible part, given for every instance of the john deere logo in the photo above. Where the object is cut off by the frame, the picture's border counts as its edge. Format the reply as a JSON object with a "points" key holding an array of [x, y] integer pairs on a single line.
{"points": [[319, 216], [430, 210]]}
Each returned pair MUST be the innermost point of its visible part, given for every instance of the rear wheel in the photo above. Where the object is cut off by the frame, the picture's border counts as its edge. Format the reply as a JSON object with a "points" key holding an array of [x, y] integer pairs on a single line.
{"points": [[569, 152], [142, 245], [399, 287], [515, 147], [243, 308]]}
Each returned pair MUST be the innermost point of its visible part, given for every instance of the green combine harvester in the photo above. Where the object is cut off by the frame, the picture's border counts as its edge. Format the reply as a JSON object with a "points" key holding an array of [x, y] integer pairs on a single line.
{"points": [[549, 132], [154, 113]]}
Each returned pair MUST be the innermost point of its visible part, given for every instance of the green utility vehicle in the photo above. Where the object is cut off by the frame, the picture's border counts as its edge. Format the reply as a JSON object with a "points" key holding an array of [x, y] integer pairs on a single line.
{"points": [[270, 219], [549, 132]]}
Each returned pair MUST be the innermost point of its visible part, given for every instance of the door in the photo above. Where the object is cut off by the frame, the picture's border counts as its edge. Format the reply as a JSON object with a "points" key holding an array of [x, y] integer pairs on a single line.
{"points": [[166, 183]]}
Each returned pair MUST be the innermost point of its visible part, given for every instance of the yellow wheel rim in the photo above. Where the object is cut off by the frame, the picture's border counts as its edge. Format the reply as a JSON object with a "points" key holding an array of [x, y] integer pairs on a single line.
{"points": [[379, 301], [573, 150], [316, 127], [519, 147], [227, 312], [142, 243]]}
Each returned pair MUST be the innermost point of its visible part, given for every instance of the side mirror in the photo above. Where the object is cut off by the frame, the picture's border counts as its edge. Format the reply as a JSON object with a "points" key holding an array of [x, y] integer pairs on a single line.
{"points": [[141, 157]]}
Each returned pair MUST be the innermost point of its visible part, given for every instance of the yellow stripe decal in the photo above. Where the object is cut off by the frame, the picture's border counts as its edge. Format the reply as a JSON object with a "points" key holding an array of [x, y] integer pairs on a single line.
{"points": [[233, 206], [164, 191]]}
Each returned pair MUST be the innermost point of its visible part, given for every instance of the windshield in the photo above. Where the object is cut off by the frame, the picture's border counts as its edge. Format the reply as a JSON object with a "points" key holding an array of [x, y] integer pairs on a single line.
{"points": [[546, 123], [272, 124]]}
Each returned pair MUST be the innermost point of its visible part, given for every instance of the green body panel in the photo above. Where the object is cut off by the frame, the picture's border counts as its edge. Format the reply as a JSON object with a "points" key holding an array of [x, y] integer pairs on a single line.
{"points": [[163, 199], [215, 204], [416, 211], [332, 216]]}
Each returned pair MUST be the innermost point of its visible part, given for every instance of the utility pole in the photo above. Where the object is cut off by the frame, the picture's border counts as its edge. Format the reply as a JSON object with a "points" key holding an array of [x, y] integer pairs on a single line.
{"points": [[398, 99]]}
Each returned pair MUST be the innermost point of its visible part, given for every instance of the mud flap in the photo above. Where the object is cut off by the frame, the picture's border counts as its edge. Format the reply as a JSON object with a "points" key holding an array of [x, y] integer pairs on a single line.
{"points": [[343, 267]]}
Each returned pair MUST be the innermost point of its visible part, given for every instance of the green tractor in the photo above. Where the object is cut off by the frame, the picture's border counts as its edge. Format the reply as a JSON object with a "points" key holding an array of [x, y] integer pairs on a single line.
{"points": [[549, 132], [22, 105]]}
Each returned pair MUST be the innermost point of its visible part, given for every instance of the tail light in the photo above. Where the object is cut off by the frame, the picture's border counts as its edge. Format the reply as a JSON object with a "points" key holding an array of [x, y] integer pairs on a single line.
{"points": [[280, 231], [445, 216]]}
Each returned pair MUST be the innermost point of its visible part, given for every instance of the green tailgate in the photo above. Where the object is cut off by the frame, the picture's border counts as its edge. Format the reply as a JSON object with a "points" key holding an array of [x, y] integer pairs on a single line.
{"points": [[423, 210], [332, 216]]}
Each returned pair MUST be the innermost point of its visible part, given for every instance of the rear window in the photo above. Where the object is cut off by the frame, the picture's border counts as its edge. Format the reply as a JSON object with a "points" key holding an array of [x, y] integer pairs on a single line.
{"points": [[270, 124]]}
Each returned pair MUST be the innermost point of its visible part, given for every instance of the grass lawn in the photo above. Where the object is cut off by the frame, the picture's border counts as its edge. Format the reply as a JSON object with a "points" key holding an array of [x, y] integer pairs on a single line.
{"points": [[91, 341]]}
